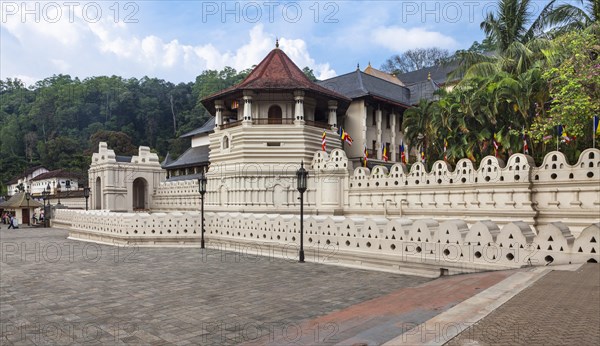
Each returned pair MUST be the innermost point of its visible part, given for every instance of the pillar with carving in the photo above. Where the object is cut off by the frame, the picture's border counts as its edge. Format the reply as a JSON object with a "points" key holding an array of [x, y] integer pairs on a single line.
{"points": [[219, 106], [332, 113], [299, 107], [394, 149], [247, 120], [378, 120]]}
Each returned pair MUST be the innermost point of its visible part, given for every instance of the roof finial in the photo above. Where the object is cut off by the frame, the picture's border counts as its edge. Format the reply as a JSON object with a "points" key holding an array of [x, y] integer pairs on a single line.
{"points": [[358, 66], [428, 75], [369, 63], [276, 42]]}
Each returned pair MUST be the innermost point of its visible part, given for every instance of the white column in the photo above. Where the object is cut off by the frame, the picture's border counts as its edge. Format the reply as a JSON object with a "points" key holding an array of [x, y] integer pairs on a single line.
{"points": [[378, 120], [218, 113], [299, 107], [393, 135], [247, 120], [332, 113]]}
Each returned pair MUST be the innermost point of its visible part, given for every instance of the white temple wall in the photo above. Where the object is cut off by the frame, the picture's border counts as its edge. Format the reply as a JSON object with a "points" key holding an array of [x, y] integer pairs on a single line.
{"points": [[422, 247], [497, 191]]}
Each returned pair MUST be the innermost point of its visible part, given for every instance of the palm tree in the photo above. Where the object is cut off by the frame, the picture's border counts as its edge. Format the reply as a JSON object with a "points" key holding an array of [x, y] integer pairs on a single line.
{"points": [[567, 17], [418, 125]]}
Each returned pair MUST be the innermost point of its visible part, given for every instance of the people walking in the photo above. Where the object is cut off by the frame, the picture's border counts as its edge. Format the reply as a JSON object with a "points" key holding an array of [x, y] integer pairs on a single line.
{"points": [[10, 221]]}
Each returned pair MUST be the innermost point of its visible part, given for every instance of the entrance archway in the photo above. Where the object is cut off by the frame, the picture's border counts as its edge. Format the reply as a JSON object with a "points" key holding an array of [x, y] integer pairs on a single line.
{"points": [[275, 114], [98, 193], [139, 194]]}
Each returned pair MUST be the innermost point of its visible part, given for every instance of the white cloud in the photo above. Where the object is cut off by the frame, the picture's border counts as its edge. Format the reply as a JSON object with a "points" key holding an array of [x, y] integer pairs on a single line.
{"points": [[84, 48], [400, 39]]}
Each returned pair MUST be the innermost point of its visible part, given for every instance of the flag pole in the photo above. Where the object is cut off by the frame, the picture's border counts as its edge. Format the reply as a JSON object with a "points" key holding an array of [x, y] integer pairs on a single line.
{"points": [[594, 132]]}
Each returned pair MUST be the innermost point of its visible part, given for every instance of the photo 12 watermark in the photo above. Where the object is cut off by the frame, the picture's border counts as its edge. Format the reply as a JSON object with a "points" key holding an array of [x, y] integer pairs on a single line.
{"points": [[69, 11], [270, 11]]}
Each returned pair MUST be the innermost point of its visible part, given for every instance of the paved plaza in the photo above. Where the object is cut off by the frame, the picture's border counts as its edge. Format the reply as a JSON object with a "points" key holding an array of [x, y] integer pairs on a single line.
{"points": [[57, 291], [54, 291]]}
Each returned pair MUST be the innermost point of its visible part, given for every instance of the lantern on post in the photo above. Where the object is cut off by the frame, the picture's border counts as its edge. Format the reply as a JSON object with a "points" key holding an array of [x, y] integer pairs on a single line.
{"points": [[86, 194], [301, 176], [202, 190]]}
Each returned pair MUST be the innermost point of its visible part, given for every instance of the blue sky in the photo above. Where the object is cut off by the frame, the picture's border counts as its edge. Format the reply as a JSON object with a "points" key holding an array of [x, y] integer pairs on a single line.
{"points": [[177, 40]]}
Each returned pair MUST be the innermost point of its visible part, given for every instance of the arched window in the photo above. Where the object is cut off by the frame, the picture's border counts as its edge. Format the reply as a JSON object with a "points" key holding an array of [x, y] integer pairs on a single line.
{"points": [[139, 194], [275, 114], [225, 142]]}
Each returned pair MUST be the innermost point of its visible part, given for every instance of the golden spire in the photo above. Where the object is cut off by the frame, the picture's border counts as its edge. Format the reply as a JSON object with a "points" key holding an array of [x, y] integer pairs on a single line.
{"points": [[428, 75]]}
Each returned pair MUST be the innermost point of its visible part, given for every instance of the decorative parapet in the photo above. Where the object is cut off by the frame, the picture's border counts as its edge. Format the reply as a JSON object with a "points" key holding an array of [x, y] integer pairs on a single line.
{"points": [[397, 244], [104, 155]]}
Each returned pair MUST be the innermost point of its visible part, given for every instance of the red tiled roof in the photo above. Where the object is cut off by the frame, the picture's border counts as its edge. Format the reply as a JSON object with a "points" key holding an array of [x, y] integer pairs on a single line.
{"points": [[277, 71]]}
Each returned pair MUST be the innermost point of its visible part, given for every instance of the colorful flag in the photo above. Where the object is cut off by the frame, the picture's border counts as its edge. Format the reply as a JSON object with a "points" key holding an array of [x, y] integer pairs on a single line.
{"points": [[366, 156], [341, 132], [525, 146], [324, 142], [423, 153], [562, 132], [445, 150], [402, 154], [385, 153], [546, 138], [347, 138], [496, 145], [596, 125]]}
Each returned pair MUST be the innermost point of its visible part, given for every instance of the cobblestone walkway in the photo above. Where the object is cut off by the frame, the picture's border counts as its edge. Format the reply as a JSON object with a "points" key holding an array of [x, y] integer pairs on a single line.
{"points": [[55, 291], [562, 308]]}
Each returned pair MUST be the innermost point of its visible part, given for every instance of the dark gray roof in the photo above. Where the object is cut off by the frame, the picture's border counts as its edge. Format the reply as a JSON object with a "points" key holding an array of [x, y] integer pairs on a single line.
{"points": [[184, 177], [208, 127], [439, 74], [123, 158], [192, 157], [359, 84], [168, 159], [423, 90]]}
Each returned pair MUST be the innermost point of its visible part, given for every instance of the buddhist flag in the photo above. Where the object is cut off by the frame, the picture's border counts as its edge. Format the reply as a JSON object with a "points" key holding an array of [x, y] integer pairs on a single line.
{"points": [[596, 125], [562, 132], [445, 150], [402, 154], [366, 156], [423, 154], [385, 153], [496, 145], [525, 145], [347, 138], [341, 133], [324, 142]]}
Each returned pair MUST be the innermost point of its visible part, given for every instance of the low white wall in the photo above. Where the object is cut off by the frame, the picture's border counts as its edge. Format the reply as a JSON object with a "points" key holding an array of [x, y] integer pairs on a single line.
{"points": [[421, 247]]}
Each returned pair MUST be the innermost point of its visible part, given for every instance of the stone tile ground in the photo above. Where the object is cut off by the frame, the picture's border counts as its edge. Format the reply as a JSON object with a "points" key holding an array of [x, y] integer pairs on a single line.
{"points": [[55, 291], [561, 308]]}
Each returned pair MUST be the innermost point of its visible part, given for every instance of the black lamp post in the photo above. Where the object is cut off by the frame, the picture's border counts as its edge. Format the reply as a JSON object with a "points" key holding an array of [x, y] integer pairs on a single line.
{"points": [[86, 194], [301, 175], [46, 195], [58, 189], [28, 197], [202, 190]]}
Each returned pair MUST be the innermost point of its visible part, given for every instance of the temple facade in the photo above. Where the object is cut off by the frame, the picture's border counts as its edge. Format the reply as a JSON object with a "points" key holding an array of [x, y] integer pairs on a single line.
{"points": [[382, 216]]}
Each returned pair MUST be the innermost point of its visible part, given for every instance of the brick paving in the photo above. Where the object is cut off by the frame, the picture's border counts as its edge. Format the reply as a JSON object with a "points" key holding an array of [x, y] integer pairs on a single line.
{"points": [[55, 291], [561, 308]]}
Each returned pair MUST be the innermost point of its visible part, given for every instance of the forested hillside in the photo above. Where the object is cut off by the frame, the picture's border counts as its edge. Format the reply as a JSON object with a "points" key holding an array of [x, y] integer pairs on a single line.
{"points": [[59, 121]]}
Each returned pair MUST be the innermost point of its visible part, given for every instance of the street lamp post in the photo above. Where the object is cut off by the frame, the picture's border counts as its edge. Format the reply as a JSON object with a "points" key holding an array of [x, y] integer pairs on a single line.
{"points": [[46, 197], [28, 197], [301, 175], [86, 194], [202, 190], [58, 189], [49, 209]]}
